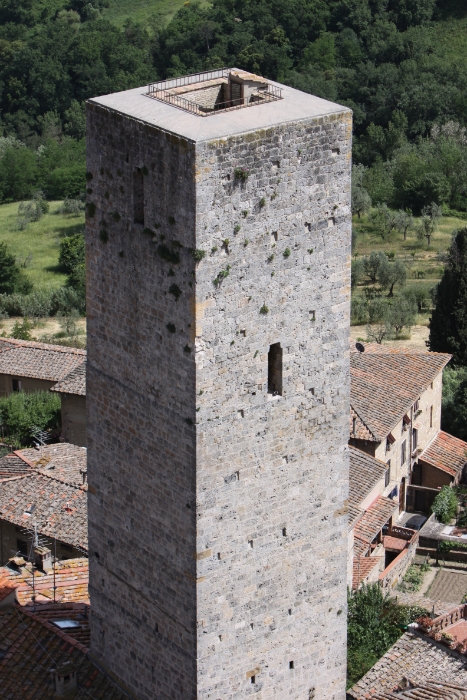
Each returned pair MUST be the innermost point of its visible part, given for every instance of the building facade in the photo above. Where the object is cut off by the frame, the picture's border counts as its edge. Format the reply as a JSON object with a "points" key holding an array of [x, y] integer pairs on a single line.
{"points": [[395, 411], [218, 253]]}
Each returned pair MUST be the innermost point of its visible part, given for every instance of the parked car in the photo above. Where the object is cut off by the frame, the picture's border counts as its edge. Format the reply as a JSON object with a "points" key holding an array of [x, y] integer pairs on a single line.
{"points": [[416, 522]]}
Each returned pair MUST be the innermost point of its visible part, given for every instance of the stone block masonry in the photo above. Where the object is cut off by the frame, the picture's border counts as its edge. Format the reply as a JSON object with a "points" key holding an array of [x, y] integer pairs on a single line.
{"points": [[217, 508]]}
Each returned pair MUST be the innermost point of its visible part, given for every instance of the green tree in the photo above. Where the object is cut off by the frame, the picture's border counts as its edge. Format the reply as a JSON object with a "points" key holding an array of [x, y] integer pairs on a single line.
{"points": [[19, 412], [400, 314], [12, 278], [361, 201], [22, 330], [445, 505], [384, 220], [72, 252], [391, 274], [448, 323], [357, 272], [404, 222], [373, 264], [454, 408], [375, 623], [18, 174]]}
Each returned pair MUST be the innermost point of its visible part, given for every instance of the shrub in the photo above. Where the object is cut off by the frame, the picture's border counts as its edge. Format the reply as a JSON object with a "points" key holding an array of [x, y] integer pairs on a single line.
{"points": [[12, 279], [375, 622], [19, 412], [445, 505], [71, 206], [72, 252], [36, 305], [22, 331]]}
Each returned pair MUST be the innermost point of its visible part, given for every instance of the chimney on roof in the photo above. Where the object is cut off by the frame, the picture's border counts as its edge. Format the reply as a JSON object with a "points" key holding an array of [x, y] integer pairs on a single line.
{"points": [[43, 559], [65, 680]]}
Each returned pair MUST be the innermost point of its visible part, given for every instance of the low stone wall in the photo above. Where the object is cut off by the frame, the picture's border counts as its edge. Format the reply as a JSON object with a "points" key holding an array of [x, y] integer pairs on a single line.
{"points": [[393, 573]]}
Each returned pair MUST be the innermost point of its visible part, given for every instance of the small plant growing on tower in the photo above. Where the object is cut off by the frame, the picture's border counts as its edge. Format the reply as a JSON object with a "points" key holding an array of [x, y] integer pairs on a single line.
{"points": [[264, 310], [241, 174], [170, 256], [237, 228], [286, 253], [245, 213], [271, 258], [103, 235], [214, 249], [262, 202], [245, 242], [175, 290], [171, 220], [171, 327], [221, 276], [198, 254], [187, 348], [90, 209]]}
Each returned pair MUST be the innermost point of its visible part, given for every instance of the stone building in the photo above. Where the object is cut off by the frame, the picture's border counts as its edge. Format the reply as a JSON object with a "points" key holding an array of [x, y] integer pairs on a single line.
{"points": [[44, 490], [218, 254], [395, 416], [72, 390], [26, 365]]}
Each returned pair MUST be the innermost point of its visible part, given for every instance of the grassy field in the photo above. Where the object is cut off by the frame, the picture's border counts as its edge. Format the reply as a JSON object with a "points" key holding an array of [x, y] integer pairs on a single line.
{"points": [[141, 10], [40, 240], [425, 267]]}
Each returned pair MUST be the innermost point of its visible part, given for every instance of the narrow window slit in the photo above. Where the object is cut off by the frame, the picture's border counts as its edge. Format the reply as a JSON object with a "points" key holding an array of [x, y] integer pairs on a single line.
{"points": [[138, 196], [275, 370]]}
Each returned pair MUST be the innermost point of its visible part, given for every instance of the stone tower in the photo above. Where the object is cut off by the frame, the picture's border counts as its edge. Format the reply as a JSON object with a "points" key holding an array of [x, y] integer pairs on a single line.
{"points": [[218, 248]]}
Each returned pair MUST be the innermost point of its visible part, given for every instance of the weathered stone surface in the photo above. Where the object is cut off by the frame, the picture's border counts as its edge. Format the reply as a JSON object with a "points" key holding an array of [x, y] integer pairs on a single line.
{"points": [[217, 511]]}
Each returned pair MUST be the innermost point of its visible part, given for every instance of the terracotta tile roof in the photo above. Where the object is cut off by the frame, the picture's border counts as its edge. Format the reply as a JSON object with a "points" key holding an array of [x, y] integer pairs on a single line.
{"points": [[71, 581], [362, 567], [55, 612], [354, 515], [360, 546], [418, 658], [374, 518], [423, 691], [6, 587], [394, 543], [62, 461], [446, 452], [12, 466], [24, 358], [60, 509], [73, 383], [385, 384], [365, 472], [33, 648]]}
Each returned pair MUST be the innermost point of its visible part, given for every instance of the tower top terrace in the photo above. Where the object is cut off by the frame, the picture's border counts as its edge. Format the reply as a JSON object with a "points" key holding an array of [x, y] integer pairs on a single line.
{"points": [[180, 105]]}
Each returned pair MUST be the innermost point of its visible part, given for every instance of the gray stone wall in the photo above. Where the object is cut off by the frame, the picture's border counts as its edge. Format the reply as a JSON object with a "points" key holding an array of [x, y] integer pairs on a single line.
{"points": [[218, 511], [73, 414]]}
